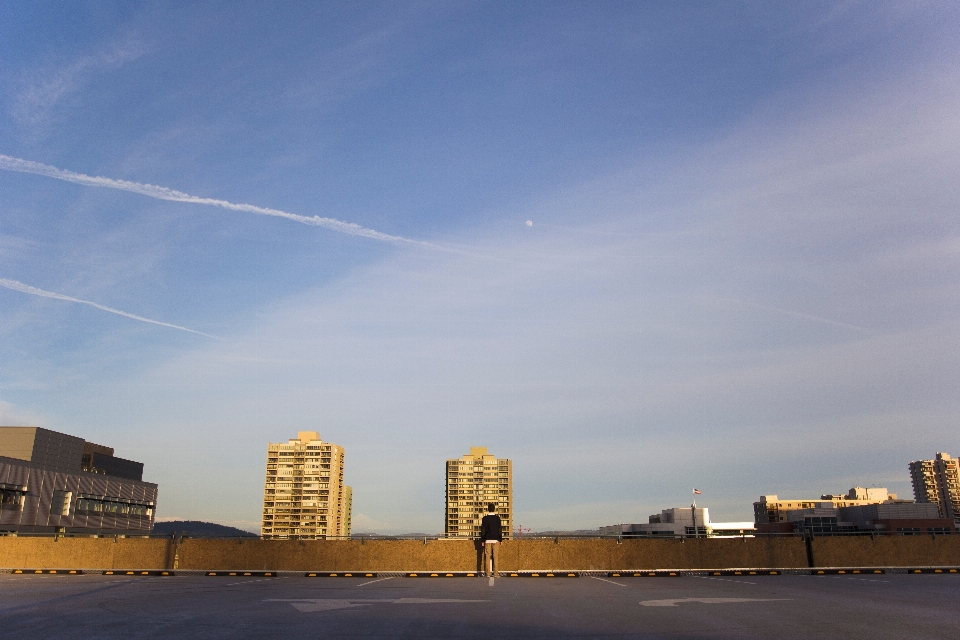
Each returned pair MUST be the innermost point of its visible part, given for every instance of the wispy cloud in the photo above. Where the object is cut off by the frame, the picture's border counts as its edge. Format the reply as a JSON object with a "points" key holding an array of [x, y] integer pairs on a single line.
{"points": [[44, 89], [25, 288], [9, 163], [797, 314], [605, 351]]}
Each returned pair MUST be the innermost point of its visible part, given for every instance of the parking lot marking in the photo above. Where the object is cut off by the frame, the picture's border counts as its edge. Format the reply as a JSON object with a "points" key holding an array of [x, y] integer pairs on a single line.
{"points": [[867, 580], [673, 602], [247, 581], [724, 580], [308, 605], [372, 581], [610, 581]]}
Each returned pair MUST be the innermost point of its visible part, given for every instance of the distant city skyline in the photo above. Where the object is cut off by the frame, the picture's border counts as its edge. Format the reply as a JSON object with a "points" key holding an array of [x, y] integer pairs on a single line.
{"points": [[687, 245]]}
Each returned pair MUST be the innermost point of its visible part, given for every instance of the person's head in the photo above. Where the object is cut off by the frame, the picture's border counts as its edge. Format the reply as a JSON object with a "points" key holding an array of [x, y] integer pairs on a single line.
{"points": [[491, 508]]}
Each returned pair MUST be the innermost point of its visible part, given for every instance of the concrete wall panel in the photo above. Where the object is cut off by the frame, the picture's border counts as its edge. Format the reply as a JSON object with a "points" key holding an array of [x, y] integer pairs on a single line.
{"points": [[82, 553], [462, 555], [889, 551]]}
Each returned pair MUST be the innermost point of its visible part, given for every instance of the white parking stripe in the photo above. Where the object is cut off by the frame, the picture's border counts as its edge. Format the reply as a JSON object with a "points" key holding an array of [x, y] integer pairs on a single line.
{"points": [[724, 580], [610, 581], [372, 581], [674, 601], [248, 581], [868, 580]]}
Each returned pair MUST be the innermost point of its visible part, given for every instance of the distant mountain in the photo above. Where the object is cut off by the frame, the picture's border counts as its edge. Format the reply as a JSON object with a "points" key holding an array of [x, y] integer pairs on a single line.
{"points": [[201, 529], [577, 532], [371, 534]]}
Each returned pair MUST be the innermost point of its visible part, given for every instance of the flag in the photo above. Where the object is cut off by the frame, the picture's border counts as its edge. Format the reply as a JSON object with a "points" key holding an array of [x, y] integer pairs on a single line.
{"points": [[697, 492]]}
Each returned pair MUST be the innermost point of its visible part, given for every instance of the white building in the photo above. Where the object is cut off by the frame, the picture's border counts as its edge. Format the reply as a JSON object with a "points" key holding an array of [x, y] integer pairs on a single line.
{"points": [[679, 522]]}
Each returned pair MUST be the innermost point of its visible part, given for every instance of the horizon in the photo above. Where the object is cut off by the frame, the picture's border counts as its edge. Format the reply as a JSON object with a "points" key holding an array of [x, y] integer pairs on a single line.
{"points": [[634, 248], [255, 526]]}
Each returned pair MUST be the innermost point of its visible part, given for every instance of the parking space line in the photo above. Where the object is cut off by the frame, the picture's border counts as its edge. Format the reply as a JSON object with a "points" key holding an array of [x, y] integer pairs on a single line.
{"points": [[724, 580], [610, 581], [247, 581], [867, 580], [372, 581]]}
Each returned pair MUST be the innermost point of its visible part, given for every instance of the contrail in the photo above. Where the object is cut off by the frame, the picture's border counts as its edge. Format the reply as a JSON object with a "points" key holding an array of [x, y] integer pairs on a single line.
{"points": [[797, 314], [163, 193], [25, 288]]}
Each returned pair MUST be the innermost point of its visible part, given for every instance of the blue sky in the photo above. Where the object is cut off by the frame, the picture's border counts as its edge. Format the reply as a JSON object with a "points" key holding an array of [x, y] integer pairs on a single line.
{"points": [[741, 273]]}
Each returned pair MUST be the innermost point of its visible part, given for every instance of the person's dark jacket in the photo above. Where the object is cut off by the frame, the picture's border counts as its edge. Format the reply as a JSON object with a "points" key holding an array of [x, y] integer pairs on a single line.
{"points": [[491, 528]]}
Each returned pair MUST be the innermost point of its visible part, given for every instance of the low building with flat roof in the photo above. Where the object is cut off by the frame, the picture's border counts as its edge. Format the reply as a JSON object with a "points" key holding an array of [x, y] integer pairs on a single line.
{"points": [[861, 510], [678, 522], [771, 509], [51, 482]]}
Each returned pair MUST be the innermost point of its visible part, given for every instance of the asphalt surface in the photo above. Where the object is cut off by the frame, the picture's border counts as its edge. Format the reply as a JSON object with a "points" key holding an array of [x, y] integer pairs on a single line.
{"points": [[786, 606]]}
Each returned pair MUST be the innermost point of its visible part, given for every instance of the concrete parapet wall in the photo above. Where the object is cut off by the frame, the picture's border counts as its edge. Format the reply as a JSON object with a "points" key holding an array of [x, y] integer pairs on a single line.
{"points": [[787, 552], [328, 555], [463, 555], [83, 553], [886, 551]]}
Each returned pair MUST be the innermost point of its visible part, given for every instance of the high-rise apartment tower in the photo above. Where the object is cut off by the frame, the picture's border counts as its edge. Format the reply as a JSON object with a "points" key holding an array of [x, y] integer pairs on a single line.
{"points": [[347, 503], [303, 495], [937, 481], [474, 481]]}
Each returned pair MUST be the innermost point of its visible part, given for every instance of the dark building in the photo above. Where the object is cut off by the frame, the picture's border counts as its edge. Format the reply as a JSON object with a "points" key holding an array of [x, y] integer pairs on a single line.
{"points": [[100, 459], [54, 482]]}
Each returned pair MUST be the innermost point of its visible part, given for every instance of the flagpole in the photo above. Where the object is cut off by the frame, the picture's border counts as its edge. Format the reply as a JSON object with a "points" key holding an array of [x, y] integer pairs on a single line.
{"points": [[693, 512]]}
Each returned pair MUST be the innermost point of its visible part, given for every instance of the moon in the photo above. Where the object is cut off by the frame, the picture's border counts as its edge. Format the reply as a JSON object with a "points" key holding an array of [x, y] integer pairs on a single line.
{"points": [[529, 223]]}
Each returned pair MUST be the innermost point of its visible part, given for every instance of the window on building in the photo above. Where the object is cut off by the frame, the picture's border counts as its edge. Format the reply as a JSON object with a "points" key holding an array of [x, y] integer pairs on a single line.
{"points": [[60, 505], [908, 531], [106, 505], [11, 496]]}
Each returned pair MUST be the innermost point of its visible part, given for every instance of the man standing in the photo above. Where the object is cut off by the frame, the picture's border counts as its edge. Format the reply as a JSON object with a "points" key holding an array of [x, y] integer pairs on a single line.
{"points": [[491, 535]]}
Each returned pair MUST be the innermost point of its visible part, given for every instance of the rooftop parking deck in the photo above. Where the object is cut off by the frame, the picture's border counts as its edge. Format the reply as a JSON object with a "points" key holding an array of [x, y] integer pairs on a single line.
{"points": [[891, 605]]}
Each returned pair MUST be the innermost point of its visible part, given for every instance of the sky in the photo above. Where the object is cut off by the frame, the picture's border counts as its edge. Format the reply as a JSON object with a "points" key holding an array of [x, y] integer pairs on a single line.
{"points": [[635, 247]]}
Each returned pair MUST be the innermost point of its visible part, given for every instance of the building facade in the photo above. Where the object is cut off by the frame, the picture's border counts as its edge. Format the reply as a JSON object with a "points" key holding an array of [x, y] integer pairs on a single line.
{"points": [[772, 509], [303, 495], [474, 481], [901, 517], [937, 482], [347, 510], [896, 517], [678, 522], [860, 510], [52, 482]]}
